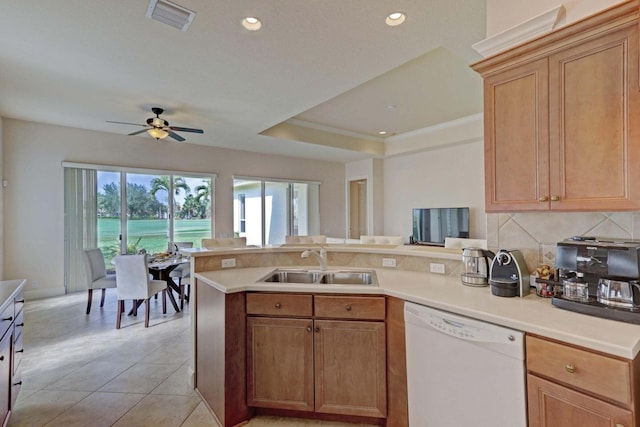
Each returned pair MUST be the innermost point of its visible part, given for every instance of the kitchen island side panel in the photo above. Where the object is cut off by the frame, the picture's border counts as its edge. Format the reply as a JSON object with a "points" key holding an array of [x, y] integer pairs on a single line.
{"points": [[220, 371]]}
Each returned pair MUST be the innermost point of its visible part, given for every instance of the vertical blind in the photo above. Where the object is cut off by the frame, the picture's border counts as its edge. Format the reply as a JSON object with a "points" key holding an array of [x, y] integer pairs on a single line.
{"points": [[80, 223]]}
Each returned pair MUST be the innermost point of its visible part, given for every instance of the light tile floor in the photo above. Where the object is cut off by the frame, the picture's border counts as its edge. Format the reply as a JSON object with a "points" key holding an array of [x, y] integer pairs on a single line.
{"points": [[78, 370]]}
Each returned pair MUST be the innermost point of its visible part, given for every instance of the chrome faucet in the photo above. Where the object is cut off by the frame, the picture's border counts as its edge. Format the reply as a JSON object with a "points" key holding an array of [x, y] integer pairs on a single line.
{"points": [[322, 257]]}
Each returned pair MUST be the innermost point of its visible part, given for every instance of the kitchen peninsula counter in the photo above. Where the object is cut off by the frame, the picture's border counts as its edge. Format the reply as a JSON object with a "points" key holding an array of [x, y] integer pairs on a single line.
{"points": [[530, 314]]}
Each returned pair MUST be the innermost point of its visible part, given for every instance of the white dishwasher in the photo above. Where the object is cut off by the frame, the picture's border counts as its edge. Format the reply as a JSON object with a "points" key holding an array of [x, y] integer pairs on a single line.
{"points": [[463, 372]]}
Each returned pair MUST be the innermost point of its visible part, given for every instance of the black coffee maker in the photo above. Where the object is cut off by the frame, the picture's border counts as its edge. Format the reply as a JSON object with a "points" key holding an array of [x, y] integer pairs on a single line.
{"points": [[509, 275], [605, 265]]}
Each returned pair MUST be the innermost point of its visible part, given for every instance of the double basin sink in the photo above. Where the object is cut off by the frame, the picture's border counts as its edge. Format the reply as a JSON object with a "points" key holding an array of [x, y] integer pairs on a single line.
{"points": [[318, 277]]}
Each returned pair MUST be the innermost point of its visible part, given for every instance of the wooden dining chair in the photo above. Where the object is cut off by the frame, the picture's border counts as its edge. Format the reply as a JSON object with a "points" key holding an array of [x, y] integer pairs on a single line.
{"points": [[133, 283], [97, 276]]}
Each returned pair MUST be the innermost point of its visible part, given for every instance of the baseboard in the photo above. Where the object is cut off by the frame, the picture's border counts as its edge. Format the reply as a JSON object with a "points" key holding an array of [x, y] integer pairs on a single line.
{"points": [[42, 293]]}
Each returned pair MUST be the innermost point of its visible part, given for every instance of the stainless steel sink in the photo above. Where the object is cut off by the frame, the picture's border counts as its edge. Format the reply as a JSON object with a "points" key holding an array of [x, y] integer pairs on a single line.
{"points": [[348, 278], [331, 277], [292, 276]]}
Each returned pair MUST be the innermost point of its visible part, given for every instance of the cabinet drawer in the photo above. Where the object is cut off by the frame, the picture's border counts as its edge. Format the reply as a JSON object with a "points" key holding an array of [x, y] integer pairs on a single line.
{"points": [[18, 346], [595, 373], [18, 301], [349, 307], [280, 304]]}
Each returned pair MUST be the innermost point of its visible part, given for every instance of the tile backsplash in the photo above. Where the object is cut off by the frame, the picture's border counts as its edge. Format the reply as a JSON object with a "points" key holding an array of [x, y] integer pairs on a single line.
{"points": [[535, 233]]}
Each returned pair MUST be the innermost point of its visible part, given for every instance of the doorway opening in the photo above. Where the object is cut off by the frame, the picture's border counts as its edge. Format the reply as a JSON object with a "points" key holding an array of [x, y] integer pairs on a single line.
{"points": [[358, 212]]}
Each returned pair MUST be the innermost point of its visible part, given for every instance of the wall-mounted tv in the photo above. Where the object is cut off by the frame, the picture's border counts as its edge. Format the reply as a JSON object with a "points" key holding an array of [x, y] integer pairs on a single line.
{"points": [[432, 225]]}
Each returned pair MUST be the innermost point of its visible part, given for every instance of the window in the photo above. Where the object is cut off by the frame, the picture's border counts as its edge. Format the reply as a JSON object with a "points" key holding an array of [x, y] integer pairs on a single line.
{"points": [[242, 213], [265, 211], [122, 210]]}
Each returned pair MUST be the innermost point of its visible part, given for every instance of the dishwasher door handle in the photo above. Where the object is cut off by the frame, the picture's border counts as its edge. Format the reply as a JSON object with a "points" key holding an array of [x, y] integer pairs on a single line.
{"points": [[452, 323]]}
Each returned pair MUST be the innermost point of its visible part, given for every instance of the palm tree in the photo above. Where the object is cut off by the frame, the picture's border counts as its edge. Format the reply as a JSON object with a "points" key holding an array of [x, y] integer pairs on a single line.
{"points": [[203, 196], [163, 183]]}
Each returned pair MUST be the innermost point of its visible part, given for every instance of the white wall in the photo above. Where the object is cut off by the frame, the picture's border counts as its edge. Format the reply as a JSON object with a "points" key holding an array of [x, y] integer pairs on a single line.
{"points": [[504, 14], [33, 201], [445, 177]]}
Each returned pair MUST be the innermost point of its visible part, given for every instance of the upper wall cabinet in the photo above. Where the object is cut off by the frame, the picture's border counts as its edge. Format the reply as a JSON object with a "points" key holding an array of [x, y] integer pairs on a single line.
{"points": [[562, 127]]}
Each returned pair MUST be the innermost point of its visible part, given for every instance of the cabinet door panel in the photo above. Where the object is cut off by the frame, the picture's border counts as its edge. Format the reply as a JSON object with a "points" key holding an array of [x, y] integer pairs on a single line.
{"points": [[280, 363], [350, 366], [517, 138], [552, 405], [593, 136]]}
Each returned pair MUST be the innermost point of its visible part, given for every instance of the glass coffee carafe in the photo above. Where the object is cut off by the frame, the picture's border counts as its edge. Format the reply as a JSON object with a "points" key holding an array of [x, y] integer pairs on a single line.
{"points": [[475, 266]]}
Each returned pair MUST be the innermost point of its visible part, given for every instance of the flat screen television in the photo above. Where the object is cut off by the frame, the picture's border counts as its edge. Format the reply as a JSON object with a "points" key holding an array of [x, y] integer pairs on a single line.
{"points": [[432, 225]]}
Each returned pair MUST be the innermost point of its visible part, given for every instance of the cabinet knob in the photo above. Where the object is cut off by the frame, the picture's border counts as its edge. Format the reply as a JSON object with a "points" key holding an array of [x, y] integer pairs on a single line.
{"points": [[348, 308], [317, 329], [10, 318], [1, 358], [555, 198], [570, 368], [20, 301], [278, 305], [20, 325], [18, 383], [20, 351], [543, 199], [308, 328]]}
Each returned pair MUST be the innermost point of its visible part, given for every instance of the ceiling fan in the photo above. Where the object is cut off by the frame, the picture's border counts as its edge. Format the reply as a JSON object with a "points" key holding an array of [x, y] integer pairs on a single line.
{"points": [[159, 128]]}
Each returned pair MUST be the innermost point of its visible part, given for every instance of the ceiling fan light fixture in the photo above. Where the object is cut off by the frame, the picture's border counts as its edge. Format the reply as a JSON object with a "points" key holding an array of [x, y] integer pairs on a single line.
{"points": [[157, 133], [395, 19], [251, 23]]}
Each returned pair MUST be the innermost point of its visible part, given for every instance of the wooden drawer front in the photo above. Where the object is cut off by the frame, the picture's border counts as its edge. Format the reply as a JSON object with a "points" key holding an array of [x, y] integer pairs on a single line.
{"points": [[280, 305], [349, 307], [601, 375]]}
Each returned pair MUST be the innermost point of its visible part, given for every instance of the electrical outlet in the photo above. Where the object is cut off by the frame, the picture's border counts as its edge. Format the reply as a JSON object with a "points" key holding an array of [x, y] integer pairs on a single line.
{"points": [[436, 268], [34, 284], [229, 262], [388, 262]]}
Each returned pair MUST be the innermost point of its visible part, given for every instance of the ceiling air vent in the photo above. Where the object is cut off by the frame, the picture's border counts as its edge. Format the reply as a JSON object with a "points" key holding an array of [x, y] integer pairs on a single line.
{"points": [[171, 14]]}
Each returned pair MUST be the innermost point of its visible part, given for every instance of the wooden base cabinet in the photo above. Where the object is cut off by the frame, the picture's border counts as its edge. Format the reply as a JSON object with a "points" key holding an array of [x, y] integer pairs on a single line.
{"points": [[350, 368], [332, 366], [280, 363], [572, 386], [553, 405]]}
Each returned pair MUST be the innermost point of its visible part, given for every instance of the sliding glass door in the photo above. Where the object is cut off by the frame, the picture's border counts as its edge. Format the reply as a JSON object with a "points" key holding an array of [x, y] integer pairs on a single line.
{"points": [[109, 214], [266, 211], [125, 211]]}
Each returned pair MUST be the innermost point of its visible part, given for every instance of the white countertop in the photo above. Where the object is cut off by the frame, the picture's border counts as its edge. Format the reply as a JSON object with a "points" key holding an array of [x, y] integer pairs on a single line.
{"points": [[530, 314]]}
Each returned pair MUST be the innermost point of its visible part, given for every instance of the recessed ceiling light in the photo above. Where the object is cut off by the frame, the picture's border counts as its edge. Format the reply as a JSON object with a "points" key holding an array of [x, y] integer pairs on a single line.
{"points": [[391, 107], [395, 18], [382, 132], [251, 23]]}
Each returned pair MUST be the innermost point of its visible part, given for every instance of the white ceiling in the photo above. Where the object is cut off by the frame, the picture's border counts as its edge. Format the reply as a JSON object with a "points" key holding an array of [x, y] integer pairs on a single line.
{"points": [[332, 63]]}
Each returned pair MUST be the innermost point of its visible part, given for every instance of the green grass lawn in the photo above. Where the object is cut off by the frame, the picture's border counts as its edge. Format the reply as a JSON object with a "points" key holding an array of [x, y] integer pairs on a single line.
{"points": [[153, 234]]}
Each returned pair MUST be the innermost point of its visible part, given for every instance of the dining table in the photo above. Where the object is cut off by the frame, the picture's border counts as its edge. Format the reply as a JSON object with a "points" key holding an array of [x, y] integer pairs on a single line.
{"points": [[160, 270]]}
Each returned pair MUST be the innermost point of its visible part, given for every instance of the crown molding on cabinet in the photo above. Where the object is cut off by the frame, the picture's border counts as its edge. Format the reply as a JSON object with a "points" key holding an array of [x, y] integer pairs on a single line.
{"points": [[528, 30]]}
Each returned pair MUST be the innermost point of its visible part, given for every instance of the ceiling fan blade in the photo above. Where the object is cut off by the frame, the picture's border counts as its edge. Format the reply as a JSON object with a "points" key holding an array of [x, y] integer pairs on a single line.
{"points": [[175, 135], [137, 132], [125, 123], [179, 129]]}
